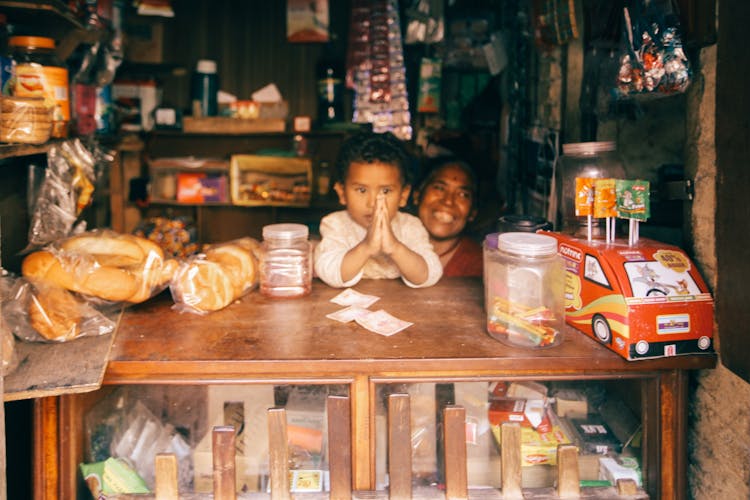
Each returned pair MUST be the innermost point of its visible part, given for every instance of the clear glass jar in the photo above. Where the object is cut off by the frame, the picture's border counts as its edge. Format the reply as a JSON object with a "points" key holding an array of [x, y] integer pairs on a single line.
{"points": [[524, 283], [37, 72], [286, 261], [596, 160]]}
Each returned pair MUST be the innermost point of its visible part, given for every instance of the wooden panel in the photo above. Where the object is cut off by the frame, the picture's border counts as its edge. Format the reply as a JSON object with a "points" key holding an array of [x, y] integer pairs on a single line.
{"points": [[339, 447], [224, 466], [58, 368], [248, 41], [456, 482], [165, 466], [510, 454], [732, 209], [567, 471], [278, 454], [399, 445]]}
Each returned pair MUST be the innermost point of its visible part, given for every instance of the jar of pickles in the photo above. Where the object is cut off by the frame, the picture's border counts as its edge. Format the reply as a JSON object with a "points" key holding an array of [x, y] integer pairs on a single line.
{"points": [[286, 261], [524, 280]]}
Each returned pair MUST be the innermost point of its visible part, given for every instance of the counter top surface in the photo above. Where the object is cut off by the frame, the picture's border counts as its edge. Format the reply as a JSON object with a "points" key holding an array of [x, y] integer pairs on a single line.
{"points": [[261, 337]]}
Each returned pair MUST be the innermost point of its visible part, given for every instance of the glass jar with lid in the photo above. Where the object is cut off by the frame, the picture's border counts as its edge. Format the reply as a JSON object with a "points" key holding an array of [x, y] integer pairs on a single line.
{"points": [[37, 72], [286, 261], [595, 160], [524, 283]]}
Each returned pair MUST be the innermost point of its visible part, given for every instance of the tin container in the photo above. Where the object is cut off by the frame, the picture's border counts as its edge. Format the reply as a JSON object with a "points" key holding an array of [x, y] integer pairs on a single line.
{"points": [[524, 289], [286, 261]]}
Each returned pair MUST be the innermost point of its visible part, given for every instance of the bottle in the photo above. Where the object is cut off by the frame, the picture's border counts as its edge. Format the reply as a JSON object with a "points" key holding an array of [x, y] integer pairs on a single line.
{"points": [[524, 280], [596, 160], [324, 179], [204, 89], [330, 86], [38, 72], [286, 261]]}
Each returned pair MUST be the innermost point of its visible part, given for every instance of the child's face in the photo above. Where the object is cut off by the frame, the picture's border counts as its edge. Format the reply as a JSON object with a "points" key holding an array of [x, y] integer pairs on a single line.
{"points": [[362, 185]]}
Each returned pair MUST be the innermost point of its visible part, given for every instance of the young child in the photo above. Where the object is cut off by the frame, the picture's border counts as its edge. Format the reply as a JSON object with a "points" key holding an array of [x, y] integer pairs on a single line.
{"points": [[372, 238]]}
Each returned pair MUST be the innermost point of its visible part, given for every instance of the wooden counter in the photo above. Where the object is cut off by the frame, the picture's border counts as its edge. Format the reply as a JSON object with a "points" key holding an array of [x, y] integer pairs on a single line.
{"points": [[260, 340]]}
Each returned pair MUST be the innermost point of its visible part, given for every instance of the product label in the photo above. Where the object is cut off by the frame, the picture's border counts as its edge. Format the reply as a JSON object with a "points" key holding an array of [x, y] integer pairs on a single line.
{"points": [[50, 82]]}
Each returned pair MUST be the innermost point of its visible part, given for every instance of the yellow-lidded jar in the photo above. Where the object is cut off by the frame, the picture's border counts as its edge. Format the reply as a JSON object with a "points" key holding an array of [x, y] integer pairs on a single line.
{"points": [[524, 280], [38, 72]]}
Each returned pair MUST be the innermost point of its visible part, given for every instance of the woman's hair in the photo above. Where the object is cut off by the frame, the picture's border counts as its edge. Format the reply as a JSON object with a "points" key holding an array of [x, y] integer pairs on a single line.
{"points": [[433, 165], [370, 147]]}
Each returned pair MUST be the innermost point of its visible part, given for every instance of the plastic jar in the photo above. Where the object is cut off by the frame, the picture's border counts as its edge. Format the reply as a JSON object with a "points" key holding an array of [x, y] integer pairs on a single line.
{"points": [[524, 280], [286, 261], [597, 160], [205, 88], [38, 72]]}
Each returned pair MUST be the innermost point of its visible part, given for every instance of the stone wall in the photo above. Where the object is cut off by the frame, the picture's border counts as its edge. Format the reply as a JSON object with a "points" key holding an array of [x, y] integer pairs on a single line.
{"points": [[718, 438]]}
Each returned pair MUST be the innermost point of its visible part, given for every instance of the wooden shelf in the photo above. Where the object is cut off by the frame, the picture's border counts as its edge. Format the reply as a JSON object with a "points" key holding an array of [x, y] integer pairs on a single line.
{"points": [[16, 150], [50, 18]]}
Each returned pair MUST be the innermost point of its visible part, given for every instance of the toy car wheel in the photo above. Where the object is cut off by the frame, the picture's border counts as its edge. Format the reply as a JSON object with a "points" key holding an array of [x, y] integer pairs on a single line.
{"points": [[601, 329]]}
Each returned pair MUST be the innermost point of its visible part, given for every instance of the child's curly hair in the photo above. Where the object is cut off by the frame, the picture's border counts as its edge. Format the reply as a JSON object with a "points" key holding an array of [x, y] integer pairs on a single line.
{"points": [[371, 147]]}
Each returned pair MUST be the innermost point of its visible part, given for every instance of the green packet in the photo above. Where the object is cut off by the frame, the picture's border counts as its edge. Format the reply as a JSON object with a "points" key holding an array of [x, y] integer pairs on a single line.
{"points": [[112, 476]]}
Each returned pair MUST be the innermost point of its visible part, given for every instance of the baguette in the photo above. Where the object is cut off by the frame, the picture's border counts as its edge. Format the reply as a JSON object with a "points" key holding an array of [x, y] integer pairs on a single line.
{"points": [[80, 274]]}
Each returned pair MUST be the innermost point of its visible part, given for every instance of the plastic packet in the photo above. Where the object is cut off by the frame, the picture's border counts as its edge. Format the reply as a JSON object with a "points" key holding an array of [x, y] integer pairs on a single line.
{"points": [[212, 280], [653, 60], [124, 427], [26, 120], [9, 358], [103, 266], [40, 312], [67, 188]]}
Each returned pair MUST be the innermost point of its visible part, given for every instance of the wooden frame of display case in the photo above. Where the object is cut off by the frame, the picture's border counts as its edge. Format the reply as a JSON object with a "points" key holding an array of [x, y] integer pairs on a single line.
{"points": [[264, 341]]}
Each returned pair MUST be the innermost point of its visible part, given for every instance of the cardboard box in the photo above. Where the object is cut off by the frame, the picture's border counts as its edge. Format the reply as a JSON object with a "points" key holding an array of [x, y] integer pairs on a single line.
{"points": [[245, 407], [270, 180], [531, 413], [537, 448], [645, 300]]}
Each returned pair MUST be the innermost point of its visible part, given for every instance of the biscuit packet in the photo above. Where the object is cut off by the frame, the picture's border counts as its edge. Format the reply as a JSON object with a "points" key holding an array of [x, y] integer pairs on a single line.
{"points": [[39, 312]]}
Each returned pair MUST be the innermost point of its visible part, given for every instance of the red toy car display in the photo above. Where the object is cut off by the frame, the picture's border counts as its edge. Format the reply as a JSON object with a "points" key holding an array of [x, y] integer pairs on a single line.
{"points": [[645, 300]]}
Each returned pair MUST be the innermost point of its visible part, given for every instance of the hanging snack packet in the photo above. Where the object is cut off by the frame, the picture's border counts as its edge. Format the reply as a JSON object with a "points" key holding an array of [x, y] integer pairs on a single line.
{"points": [[633, 199]]}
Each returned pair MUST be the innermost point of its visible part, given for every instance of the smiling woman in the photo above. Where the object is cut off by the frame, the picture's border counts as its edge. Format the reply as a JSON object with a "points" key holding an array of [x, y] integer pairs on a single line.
{"points": [[446, 203]]}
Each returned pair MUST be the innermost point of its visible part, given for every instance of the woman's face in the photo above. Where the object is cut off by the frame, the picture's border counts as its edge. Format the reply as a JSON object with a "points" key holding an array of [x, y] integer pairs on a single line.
{"points": [[446, 203]]}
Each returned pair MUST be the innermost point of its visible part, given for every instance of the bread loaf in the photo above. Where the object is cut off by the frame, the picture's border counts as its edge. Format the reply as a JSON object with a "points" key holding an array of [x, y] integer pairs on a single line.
{"points": [[202, 286], [80, 274], [110, 249], [224, 273], [54, 313]]}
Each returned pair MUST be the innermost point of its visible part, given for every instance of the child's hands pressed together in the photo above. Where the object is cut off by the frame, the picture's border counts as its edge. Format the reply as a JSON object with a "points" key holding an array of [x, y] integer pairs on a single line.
{"points": [[382, 226]]}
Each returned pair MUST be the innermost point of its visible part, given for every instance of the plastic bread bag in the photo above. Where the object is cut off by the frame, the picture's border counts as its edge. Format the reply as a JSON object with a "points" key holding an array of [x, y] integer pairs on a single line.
{"points": [[9, 358], [103, 265], [212, 280], [40, 312]]}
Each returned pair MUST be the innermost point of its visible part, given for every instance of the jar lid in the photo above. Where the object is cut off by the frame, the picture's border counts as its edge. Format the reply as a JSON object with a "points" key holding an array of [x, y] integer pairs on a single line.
{"points": [[491, 240], [530, 244], [588, 148], [285, 231], [33, 42], [206, 66]]}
